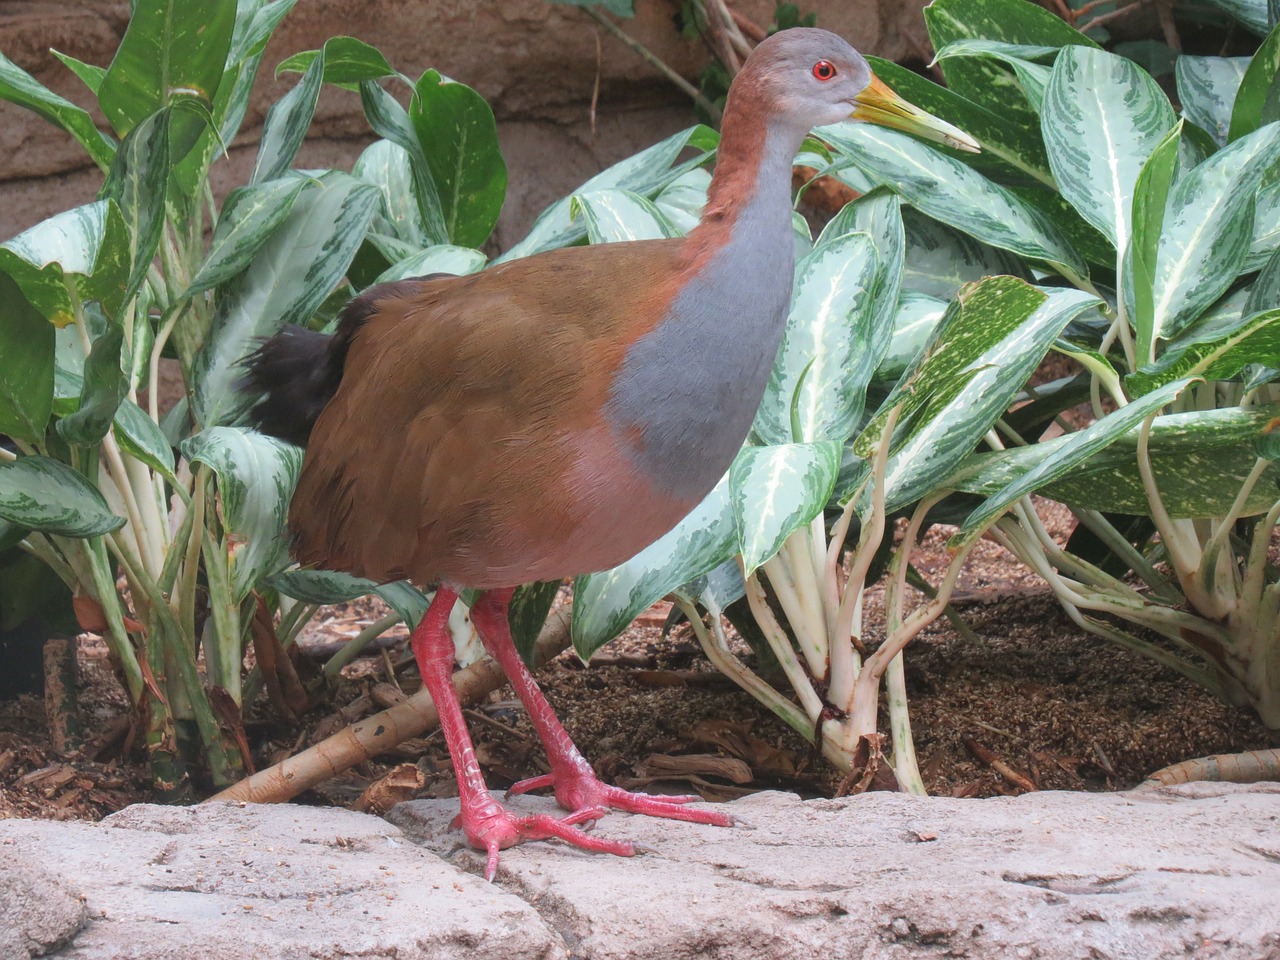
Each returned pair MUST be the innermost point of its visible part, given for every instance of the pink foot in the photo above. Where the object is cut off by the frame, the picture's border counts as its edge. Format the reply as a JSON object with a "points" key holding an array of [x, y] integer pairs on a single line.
{"points": [[583, 791], [492, 827]]}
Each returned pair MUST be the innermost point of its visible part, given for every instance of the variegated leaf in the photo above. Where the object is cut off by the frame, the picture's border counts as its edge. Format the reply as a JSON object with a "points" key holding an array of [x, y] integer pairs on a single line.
{"points": [[43, 494], [138, 181], [1256, 340], [386, 165], [613, 214], [1103, 115], [682, 200], [1251, 13], [940, 260], [917, 316], [287, 124], [442, 258], [256, 477], [1020, 57], [21, 88], [1207, 89], [949, 191], [249, 216], [142, 438], [331, 586], [776, 490], [27, 343], [1256, 102], [1266, 228], [604, 603]]}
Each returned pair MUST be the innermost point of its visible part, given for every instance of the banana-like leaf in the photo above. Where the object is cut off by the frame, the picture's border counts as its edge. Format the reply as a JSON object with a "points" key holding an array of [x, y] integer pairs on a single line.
{"points": [[1251, 13], [614, 214], [949, 191], [387, 166], [1199, 459], [647, 174], [142, 438], [1207, 229], [138, 181], [604, 603], [1076, 451], [442, 258], [1019, 151], [250, 215], [256, 477], [980, 356], [1207, 88], [940, 260], [87, 245], [681, 202], [459, 139], [43, 494], [776, 490], [1258, 99], [292, 273], [1257, 340], [1103, 115], [287, 124], [818, 384], [26, 375], [21, 88], [914, 321], [103, 388], [347, 62]]}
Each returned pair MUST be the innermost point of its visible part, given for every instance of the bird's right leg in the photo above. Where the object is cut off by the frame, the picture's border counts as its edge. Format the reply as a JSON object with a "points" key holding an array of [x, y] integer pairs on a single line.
{"points": [[486, 824]]}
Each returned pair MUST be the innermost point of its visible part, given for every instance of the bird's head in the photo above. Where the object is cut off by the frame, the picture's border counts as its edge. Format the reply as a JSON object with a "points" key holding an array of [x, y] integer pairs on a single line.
{"points": [[814, 77]]}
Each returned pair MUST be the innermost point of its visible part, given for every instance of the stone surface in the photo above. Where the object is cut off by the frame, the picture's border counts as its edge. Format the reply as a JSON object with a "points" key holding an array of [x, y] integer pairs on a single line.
{"points": [[1186, 871], [534, 61]]}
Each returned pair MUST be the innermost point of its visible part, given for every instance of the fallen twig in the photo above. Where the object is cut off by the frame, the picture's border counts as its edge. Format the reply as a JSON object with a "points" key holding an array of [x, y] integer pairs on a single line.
{"points": [[1252, 766], [383, 731], [1019, 780]]}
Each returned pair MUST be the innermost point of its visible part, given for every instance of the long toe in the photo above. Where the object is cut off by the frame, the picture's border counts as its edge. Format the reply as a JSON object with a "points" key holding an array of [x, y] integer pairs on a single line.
{"points": [[672, 808]]}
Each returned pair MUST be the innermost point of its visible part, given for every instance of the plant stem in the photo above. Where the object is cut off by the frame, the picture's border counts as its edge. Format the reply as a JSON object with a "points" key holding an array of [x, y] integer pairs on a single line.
{"points": [[780, 644], [357, 643]]}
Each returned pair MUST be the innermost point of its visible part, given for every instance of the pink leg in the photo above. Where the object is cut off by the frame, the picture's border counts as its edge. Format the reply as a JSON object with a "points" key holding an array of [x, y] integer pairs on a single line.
{"points": [[485, 822], [576, 784]]}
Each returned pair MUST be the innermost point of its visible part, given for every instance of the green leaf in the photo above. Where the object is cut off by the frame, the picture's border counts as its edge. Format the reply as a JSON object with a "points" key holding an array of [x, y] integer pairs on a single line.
{"points": [[443, 258], [292, 273], [138, 182], [249, 217], [914, 321], [88, 245], [172, 49], [948, 190], [940, 260], [104, 386], [1265, 290], [982, 353], [142, 438], [619, 8], [827, 353], [776, 490], [256, 477], [604, 603], [1257, 340], [346, 62], [1207, 88], [26, 375], [682, 201], [612, 215], [1103, 115], [460, 141], [287, 124], [646, 173], [528, 612], [89, 75], [1251, 13], [1017, 147], [1207, 229], [1078, 449], [1266, 227], [387, 166], [1032, 77], [252, 32], [330, 586], [1150, 199], [45, 495], [1258, 99], [19, 87]]}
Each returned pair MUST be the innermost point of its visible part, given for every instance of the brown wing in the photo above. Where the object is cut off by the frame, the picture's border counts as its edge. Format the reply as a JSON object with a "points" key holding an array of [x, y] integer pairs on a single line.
{"points": [[445, 447]]}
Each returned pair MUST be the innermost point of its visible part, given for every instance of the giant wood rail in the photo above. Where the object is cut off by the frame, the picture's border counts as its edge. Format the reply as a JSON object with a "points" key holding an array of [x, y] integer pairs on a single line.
{"points": [[554, 415]]}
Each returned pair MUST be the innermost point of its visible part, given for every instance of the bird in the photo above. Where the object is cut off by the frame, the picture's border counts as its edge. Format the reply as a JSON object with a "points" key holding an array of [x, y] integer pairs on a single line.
{"points": [[553, 415]]}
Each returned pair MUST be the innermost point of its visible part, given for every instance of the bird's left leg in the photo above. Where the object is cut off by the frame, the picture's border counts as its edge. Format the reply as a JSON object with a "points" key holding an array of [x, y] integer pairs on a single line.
{"points": [[576, 784]]}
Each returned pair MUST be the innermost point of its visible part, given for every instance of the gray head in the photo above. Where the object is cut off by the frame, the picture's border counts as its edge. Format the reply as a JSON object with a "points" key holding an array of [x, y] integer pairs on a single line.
{"points": [[810, 77]]}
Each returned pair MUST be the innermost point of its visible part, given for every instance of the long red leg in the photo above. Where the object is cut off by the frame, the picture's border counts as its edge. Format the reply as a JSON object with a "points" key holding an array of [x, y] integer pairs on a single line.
{"points": [[485, 822], [576, 784]]}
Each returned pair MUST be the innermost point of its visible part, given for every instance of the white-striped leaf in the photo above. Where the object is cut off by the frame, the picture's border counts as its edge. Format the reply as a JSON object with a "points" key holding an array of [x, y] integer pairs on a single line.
{"points": [[42, 494], [1103, 115], [1076, 450], [249, 217], [287, 124], [386, 166], [776, 490], [1256, 102], [256, 477], [818, 383], [138, 181], [21, 88], [940, 259], [293, 272], [682, 201], [441, 258], [604, 603], [142, 438], [1256, 340], [614, 215], [1251, 13], [1266, 228], [917, 316], [1207, 229], [28, 374], [1033, 77], [332, 586], [1207, 89], [950, 191]]}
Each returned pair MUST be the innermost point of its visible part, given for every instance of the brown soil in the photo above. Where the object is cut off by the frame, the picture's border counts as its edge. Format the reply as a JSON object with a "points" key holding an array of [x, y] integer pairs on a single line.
{"points": [[1063, 709]]}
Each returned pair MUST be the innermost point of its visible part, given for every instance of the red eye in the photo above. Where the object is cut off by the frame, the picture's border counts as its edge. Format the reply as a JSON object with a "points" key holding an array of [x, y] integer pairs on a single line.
{"points": [[824, 70]]}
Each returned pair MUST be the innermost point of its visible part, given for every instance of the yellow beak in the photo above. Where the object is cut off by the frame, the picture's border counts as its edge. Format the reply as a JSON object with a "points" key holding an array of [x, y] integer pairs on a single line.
{"points": [[879, 104]]}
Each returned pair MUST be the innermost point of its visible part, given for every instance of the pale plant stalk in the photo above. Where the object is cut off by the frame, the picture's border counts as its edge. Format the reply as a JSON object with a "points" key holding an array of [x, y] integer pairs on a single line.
{"points": [[782, 648]]}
